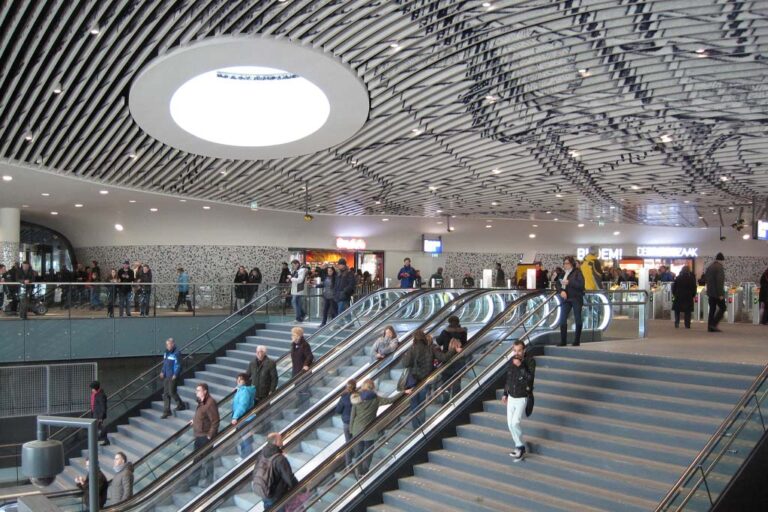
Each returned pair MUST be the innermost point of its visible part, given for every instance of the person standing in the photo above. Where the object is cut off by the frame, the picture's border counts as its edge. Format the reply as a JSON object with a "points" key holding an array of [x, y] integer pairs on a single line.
{"points": [[571, 288], [138, 270], [763, 297], [254, 280], [344, 409], [273, 462], [683, 291], [385, 345], [301, 352], [365, 406], [125, 275], [99, 410], [344, 288], [82, 483], [298, 289], [453, 331], [407, 274], [242, 403], [182, 287], [241, 287], [113, 279], [263, 372], [328, 284], [145, 290], [2, 286], [468, 281], [26, 276], [205, 426], [501, 279], [517, 388], [715, 281], [169, 374], [121, 486], [591, 270], [436, 280]]}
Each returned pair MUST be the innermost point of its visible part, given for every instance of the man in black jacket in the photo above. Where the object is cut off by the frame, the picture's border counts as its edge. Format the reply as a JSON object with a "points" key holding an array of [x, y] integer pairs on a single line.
{"points": [[125, 275], [345, 286], [715, 279], [283, 480], [263, 374], [27, 277], [99, 410], [518, 386]]}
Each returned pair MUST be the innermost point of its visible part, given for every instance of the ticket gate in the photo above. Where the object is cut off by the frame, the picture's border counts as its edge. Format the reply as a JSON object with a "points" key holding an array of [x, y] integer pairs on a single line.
{"points": [[733, 305]]}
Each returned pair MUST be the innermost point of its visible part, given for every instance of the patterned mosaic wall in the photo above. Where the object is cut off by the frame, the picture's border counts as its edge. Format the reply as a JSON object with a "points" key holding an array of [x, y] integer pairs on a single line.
{"points": [[9, 252], [459, 263], [741, 269]]}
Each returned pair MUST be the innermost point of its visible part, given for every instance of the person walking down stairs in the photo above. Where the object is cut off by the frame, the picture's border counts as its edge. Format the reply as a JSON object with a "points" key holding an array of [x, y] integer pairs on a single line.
{"points": [[517, 390]]}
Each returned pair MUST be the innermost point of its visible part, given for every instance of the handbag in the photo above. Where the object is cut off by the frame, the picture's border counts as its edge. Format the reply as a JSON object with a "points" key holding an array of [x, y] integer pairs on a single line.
{"points": [[529, 404], [403, 380]]}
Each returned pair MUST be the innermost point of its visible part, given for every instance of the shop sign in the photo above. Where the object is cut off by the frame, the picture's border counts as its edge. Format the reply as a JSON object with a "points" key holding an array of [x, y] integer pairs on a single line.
{"points": [[667, 252], [350, 244], [605, 253]]}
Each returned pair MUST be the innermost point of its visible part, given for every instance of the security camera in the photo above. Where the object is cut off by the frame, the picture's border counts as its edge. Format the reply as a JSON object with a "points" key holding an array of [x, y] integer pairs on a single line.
{"points": [[41, 461]]}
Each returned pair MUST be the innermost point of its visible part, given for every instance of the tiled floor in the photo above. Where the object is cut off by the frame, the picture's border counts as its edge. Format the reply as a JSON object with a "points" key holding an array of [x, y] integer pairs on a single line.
{"points": [[738, 343]]}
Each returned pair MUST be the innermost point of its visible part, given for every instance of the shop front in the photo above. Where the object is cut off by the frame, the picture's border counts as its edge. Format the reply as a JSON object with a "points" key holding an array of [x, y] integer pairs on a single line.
{"points": [[353, 250], [645, 257]]}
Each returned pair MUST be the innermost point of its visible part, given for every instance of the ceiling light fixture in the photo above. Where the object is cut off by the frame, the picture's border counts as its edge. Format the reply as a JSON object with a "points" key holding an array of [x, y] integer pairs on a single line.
{"points": [[495, 171], [634, 187], [438, 211], [616, 233], [7, 178], [45, 194], [206, 207], [394, 46], [723, 178], [54, 213], [29, 135], [666, 138], [416, 131], [535, 225], [687, 202], [377, 202], [153, 209], [488, 226], [532, 235], [584, 72], [25, 206], [548, 212], [491, 99], [131, 200], [746, 236], [57, 88], [118, 227], [558, 195], [580, 225], [94, 29], [555, 219], [494, 203], [432, 188], [385, 219], [78, 205], [103, 192]]}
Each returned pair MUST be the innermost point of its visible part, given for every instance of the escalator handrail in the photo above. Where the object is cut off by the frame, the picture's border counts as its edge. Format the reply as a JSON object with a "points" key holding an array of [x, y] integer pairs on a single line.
{"points": [[237, 476], [381, 422], [225, 435], [291, 381]]}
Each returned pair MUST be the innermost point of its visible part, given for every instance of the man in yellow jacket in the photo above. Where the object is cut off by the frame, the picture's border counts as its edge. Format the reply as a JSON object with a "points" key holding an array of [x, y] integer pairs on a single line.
{"points": [[592, 270]]}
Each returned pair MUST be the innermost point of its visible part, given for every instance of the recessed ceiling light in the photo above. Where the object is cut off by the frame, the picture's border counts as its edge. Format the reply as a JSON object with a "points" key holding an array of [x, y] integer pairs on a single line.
{"points": [[432, 188], [131, 200], [634, 187], [206, 207], [746, 237], [438, 211], [78, 205], [703, 193], [394, 46], [354, 162], [616, 233], [494, 203], [532, 235], [491, 99], [223, 173], [731, 208], [439, 222], [584, 72], [153, 209], [666, 138], [535, 225], [558, 195], [377, 202], [7, 178], [488, 226], [548, 212], [486, 4], [453, 216], [451, 228], [723, 178], [29, 135], [416, 131], [701, 50], [677, 225], [54, 213], [574, 153], [613, 207], [182, 200], [687, 202], [385, 219], [495, 171], [103, 192], [94, 29], [133, 155], [555, 219], [580, 225], [118, 227], [25, 206], [45, 194], [701, 216], [57, 88]]}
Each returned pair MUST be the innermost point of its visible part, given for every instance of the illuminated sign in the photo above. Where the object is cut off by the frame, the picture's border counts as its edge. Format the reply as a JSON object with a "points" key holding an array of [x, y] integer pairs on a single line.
{"points": [[605, 253], [350, 244], [667, 252]]}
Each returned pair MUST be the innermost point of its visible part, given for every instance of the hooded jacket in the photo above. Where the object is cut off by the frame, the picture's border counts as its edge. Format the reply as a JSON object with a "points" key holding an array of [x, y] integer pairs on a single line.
{"points": [[244, 400], [365, 405], [121, 486]]}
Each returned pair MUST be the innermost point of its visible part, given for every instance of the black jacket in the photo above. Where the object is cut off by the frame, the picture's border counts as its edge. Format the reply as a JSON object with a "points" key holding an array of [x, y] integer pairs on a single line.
{"points": [[100, 405], [684, 290], [763, 297], [575, 287], [301, 356], [449, 333], [240, 280], [519, 381], [500, 279], [103, 490], [284, 478], [419, 360], [345, 285], [263, 376], [125, 276], [715, 279]]}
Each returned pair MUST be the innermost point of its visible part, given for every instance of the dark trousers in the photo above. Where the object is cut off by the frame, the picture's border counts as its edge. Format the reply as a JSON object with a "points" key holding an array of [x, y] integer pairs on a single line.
{"points": [[181, 300], [349, 457], [329, 310], [686, 318], [169, 391], [416, 400], [360, 448], [715, 317], [764, 318], [100, 426], [567, 307], [205, 468], [125, 307], [144, 303]]}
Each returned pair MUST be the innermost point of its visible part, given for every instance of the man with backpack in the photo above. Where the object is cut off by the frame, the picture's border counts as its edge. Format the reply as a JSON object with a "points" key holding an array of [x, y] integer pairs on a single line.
{"points": [[273, 477]]}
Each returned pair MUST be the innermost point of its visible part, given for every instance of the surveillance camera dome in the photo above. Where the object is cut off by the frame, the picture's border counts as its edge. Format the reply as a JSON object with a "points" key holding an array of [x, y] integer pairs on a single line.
{"points": [[43, 481]]}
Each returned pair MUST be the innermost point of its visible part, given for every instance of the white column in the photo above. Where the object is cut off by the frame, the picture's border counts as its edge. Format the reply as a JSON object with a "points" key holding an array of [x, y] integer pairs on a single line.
{"points": [[10, 229]]}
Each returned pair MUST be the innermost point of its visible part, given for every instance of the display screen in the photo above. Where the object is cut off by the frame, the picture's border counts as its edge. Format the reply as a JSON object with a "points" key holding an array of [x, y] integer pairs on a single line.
{"points": [[433, 245], [761, 230]]}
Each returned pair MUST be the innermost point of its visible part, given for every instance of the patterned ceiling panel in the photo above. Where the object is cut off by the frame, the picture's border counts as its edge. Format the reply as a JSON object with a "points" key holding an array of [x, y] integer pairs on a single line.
{"points": [[598, 110]]}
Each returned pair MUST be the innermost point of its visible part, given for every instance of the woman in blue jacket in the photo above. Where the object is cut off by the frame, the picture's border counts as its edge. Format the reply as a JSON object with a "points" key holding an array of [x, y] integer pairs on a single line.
{"points": [[242, 403]]}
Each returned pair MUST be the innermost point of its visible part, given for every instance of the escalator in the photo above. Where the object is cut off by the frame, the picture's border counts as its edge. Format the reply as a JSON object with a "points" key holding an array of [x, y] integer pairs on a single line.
{"points": [[313, 446], [406, 426], [166, 452]]}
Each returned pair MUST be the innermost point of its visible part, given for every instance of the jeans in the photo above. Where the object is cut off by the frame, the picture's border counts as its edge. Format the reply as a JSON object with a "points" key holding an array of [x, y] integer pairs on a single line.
{"points": [[205, 470], [124, 300], [144, 303], [95, 297], [764, 318], [349, 457], [329, 310], [515, 410], [341, 306], [298, 306], [169, 391], [567, 306], [715, 317], [360, 448], [181, 300], [416, 400]]}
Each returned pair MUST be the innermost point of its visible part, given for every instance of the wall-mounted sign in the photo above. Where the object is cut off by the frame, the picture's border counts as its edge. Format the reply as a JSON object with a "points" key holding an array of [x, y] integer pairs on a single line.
{"points": [[605, 253], [350, 244], [667, 252]]}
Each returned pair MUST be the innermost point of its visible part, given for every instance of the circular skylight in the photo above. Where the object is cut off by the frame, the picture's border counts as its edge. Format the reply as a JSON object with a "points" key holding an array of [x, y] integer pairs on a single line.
{"points": [[249, 106]]}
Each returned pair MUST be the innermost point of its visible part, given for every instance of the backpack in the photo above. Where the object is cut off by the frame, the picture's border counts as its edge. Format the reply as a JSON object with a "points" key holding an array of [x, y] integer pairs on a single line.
{"points": [[264, 476]]}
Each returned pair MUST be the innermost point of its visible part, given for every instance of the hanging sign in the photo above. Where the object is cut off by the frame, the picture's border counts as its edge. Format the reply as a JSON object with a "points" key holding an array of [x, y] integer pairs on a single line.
{"points": [[350, 244], [667, 252]]}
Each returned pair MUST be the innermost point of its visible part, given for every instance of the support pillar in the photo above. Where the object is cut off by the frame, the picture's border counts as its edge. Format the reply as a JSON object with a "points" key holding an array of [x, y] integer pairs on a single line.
{"points": [[10, 231]]}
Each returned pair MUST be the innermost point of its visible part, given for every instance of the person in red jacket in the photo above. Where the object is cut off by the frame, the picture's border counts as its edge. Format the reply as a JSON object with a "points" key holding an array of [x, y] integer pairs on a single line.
{"points": [[99, 410]]}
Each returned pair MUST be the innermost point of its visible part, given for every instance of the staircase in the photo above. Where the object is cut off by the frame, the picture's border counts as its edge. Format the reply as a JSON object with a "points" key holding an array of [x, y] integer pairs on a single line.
{"points": [[609, 432], [147, 430]]}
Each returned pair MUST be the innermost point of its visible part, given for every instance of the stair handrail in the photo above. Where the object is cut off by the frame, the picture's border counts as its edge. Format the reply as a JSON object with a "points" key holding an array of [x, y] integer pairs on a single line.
{"points": [[227, 482], [708, 448], [220, 439]]}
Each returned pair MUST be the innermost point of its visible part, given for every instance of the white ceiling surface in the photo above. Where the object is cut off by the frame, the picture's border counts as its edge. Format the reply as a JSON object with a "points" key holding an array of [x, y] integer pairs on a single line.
{"points": [[585, 99], [187, 223]]}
